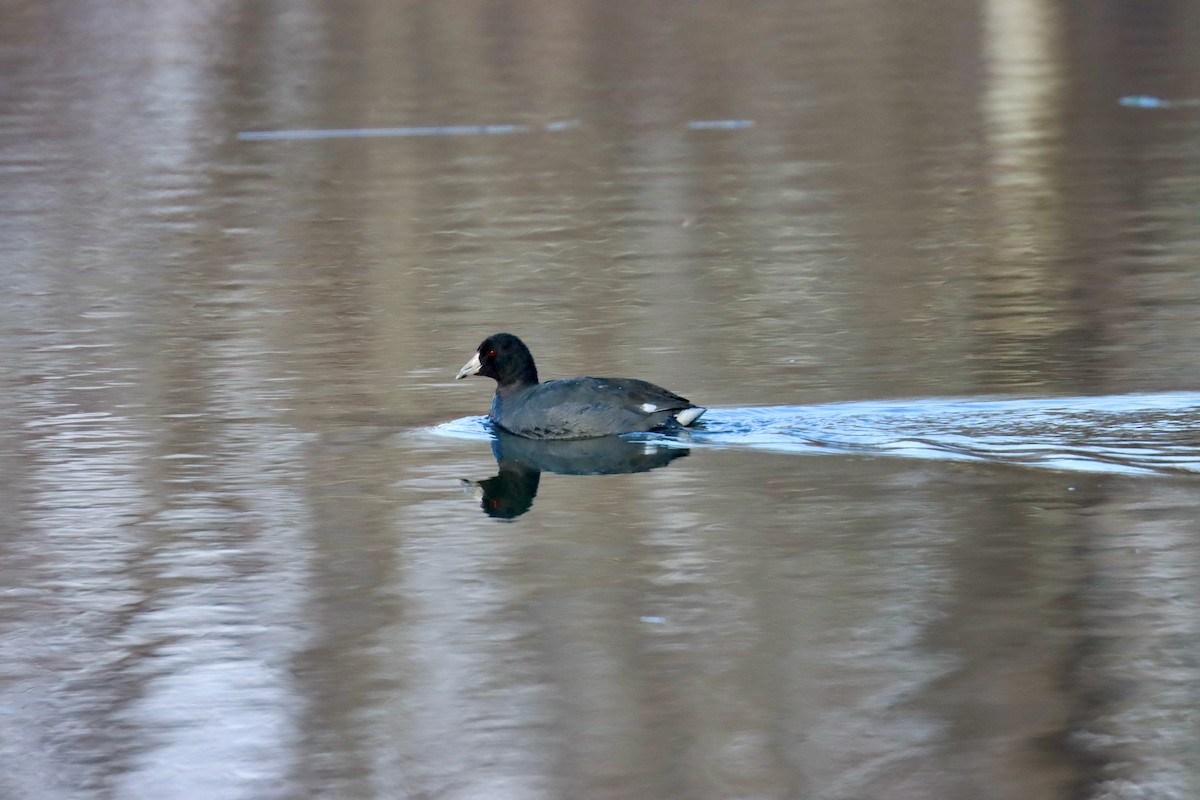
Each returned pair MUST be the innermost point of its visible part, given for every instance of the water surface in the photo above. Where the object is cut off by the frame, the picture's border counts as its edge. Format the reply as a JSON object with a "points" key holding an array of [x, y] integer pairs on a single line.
{"points": [[937, 537]]}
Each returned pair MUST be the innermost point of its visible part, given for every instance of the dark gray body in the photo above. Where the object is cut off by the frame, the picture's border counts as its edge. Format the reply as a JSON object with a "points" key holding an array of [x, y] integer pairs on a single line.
{"points": [[578, 408]]}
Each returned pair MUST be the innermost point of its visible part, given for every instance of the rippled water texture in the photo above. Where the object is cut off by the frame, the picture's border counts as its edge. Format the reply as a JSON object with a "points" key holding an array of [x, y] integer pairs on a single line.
{"points": [[932, 267], [1130, 434]]}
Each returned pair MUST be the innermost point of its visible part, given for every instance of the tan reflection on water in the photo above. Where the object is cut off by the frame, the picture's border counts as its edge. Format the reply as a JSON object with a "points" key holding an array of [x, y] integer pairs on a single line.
{"points": [[1023, 286]]}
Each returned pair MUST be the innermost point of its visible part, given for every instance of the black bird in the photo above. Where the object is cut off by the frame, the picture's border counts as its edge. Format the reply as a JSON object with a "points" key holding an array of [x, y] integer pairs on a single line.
{"points": [[570, 408]]}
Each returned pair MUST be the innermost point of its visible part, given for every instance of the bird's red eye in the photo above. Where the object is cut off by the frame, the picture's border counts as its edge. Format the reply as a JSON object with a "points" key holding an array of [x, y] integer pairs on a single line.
{"points": [[491, 353]]}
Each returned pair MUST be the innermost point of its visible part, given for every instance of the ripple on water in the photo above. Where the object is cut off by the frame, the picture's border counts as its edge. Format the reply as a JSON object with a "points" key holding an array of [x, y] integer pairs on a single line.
{"points": [[1125, 434]]}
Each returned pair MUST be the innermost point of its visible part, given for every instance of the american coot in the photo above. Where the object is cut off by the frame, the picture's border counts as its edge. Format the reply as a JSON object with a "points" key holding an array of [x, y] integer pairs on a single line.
{"points": [[571, 408]]}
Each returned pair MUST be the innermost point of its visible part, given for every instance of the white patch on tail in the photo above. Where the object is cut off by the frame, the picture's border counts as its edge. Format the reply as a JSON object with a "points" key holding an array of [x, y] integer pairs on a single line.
{"points": [[649, 408], [689, 415]]}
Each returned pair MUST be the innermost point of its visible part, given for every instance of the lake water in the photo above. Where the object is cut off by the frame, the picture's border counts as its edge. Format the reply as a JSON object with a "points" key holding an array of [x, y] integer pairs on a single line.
{"points": [[933, 272]]}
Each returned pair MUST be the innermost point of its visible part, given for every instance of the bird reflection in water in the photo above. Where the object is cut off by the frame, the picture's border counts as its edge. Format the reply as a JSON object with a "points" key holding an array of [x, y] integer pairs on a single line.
{"points": [[522, 461]]}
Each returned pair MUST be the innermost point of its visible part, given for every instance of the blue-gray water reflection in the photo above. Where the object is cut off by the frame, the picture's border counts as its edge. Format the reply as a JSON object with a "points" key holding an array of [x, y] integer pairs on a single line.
{"points": [[1128, 434]]}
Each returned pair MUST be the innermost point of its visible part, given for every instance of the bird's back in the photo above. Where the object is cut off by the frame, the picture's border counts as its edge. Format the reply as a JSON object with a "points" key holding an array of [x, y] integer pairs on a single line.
{"points": [[574, 408]]}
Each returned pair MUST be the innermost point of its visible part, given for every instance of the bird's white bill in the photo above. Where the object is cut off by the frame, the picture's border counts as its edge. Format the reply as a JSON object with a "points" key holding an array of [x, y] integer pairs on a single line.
{"points": [[689, 415], [470, 368]]}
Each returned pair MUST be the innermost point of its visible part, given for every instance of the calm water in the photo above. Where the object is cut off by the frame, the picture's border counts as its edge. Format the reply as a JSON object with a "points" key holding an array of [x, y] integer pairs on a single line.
{"points": [[938, 537]]}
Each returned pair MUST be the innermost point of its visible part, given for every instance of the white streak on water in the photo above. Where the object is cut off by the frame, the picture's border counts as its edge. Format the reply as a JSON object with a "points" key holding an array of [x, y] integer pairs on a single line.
{"points": [[1126, 434]]}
